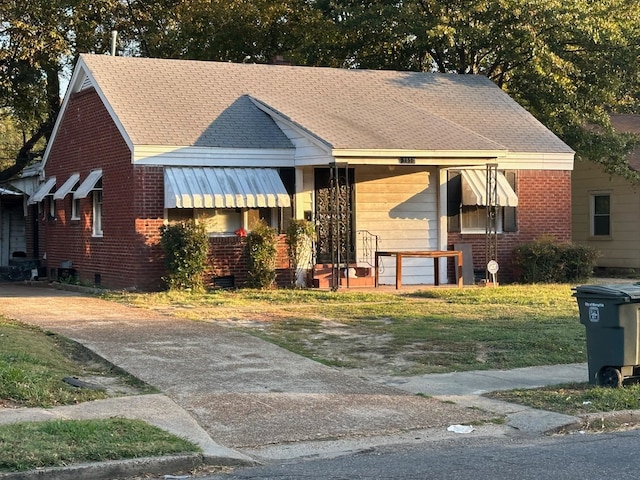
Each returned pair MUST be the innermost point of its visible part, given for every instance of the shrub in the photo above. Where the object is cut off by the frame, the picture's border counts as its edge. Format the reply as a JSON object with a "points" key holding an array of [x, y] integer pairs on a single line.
{"points": [[545, 260], [300, 235], [185, 246], [261, 253]]}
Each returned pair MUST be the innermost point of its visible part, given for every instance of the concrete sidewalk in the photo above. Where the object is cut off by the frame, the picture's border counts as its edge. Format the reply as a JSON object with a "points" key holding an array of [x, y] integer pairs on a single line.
{"points": [[242, 398]]}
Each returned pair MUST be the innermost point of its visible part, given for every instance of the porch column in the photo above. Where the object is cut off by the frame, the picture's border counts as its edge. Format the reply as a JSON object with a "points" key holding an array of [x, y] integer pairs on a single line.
{"points": [[442, 221], [298, 206]]}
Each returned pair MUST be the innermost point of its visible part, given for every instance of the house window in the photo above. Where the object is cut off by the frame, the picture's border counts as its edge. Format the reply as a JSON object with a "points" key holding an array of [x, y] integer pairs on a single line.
{"points": [[473, 219], [226, 221], [601, 215], [75, 209], [52, 207], [217, 222], [97, 213], [277, 218], [220, 221]]}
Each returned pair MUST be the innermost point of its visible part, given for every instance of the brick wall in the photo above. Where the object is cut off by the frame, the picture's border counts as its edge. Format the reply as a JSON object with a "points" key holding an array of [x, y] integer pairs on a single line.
{"points": [[544, 207], [126, 256], [228, 257]]}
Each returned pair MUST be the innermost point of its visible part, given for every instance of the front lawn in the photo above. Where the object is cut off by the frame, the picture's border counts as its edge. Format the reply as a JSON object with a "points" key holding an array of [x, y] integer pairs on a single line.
{"points": [[428, 331]]}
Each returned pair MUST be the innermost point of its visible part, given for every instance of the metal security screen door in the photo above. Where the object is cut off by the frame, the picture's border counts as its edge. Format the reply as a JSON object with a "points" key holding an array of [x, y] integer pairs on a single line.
{"points": [[334, 215]]}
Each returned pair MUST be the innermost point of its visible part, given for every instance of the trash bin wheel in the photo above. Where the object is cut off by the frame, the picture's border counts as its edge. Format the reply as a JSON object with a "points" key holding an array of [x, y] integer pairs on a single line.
{"points": [[611, 377]]}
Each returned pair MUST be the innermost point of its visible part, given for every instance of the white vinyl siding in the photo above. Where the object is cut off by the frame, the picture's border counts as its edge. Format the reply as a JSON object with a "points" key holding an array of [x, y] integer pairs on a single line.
{"points": [[400, 206]]}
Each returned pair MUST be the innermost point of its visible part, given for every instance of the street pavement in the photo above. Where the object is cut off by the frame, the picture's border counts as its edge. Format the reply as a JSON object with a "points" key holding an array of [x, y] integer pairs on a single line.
{"points": [[244, 400]]}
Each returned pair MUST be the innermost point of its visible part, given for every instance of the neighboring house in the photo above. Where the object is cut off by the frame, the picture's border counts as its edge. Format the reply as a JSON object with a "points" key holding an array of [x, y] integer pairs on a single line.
{"points": [[141, 142], [14, 218], [606, 208]]}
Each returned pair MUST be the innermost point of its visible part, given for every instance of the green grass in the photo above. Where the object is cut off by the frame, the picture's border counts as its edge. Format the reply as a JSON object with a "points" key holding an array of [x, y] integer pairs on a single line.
{"points": [[433, 330], [575, 399], [27, 446], [32, 366]]}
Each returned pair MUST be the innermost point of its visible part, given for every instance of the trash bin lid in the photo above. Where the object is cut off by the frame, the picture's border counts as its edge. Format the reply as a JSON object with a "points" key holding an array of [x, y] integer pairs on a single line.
{"points": [[623, 290]]}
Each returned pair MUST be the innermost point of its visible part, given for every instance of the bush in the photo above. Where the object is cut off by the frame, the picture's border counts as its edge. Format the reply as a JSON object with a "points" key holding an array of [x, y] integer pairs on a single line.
{"points": [[185, 246], [300, 235], [261, 253], [545, 260]]}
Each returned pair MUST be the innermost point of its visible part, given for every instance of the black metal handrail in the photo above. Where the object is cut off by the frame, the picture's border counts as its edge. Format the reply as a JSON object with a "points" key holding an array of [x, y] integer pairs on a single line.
{"points": [[367, 245]]}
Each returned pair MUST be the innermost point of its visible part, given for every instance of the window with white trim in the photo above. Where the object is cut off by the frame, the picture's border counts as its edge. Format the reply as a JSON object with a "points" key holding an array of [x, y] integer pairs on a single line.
{"points": [[601, 215], [473, 219], [227, 221], [97, 211], [52, 207], [75, 208]]}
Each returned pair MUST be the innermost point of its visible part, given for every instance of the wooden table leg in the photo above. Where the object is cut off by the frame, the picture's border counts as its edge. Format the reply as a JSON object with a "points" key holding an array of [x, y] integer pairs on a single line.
{"points": [[376, 268], [459, 271], [436, 271], [398, 271]]}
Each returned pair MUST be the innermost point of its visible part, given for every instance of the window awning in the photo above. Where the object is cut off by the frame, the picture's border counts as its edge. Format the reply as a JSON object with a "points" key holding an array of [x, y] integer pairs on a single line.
{"points": [[42, 191], [88, 184], [66, 186], [474, 189], [218, 187], [6, 191]]}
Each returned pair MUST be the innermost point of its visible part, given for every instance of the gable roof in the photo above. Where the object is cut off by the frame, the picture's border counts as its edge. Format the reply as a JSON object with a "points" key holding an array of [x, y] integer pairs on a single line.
{"points": [[227, 105], [628, 123]]}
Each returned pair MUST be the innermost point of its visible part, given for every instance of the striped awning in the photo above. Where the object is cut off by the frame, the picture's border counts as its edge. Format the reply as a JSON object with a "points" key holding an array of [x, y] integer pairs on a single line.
{"points": [[474, 189], [42, 191], [218, 187]]}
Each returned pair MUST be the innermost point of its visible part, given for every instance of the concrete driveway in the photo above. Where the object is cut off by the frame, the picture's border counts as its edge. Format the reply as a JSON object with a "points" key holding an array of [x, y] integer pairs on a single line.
{"points": [[246, 393]]}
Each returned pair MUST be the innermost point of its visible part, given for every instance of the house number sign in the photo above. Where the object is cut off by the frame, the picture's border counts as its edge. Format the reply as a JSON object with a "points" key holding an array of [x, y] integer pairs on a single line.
{"points": [[407, 160]]}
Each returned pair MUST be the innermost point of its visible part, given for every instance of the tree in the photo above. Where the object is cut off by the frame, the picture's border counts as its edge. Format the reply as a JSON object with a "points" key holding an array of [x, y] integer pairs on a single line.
{"points": [[224, 30], [38, 45], [569, 63]]}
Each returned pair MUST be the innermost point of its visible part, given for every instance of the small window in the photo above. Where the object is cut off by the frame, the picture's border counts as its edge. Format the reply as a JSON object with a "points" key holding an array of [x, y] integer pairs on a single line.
{"points": [[221, 221], [52, 207], [75, 208], [473, 219], [227, 221], [601, 215], [97, 213]]}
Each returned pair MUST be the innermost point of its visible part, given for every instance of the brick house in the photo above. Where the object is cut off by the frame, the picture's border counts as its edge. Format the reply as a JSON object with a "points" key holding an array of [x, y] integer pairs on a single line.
{"points": [[377, 159]]}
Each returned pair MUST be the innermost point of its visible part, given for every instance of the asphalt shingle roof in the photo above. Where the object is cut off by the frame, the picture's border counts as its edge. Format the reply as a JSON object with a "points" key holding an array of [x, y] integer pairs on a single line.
{"points": [[184, 103]]}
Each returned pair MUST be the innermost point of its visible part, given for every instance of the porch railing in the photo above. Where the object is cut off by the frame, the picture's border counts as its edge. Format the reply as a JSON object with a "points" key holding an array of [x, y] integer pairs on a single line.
{"points": [[366, 247]]}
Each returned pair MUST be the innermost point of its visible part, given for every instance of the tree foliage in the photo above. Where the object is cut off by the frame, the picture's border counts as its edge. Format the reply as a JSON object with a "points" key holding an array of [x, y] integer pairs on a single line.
{"points": [[570, 63], [38, 44]]}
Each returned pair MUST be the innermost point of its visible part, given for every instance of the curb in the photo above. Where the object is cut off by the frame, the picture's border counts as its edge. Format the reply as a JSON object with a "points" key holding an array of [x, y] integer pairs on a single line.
{"points": [[112, 469], [600, 422]]}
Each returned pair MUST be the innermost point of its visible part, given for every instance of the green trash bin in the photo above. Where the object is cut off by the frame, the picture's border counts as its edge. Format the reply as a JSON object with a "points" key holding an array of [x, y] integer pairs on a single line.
{"points": [[611, 316]]}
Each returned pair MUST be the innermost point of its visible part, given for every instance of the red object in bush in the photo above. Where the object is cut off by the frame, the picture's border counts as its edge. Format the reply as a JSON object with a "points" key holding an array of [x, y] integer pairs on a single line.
{"points": [[241, 232]]}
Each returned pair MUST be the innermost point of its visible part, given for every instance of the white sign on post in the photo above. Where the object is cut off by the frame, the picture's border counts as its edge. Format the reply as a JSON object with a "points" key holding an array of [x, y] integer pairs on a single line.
{"points": [[492, 268]]}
